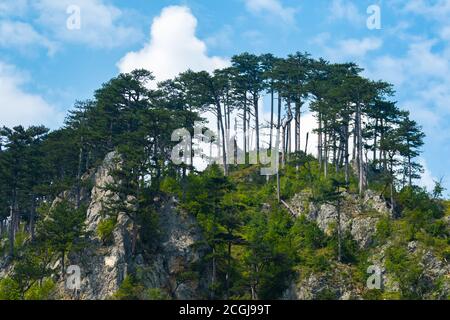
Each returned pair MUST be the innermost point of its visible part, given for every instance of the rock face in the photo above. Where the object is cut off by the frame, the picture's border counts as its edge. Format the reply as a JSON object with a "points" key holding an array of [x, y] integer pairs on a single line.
{"points": [[179, 233], [335, 285], [432, 267], [104, 267], [358, 216]]}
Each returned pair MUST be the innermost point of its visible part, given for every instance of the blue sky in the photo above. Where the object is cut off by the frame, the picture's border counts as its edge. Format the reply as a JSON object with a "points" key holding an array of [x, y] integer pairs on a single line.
{"points": [[45, 67]]}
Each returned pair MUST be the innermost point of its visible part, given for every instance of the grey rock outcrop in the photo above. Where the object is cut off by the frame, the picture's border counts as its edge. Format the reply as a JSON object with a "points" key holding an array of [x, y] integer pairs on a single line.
{"points": [[336, 284], [105, 266], [358, 216]]}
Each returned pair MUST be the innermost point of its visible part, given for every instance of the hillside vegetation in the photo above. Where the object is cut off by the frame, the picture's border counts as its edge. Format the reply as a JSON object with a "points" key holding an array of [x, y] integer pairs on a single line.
{"points": [[103, 192]]}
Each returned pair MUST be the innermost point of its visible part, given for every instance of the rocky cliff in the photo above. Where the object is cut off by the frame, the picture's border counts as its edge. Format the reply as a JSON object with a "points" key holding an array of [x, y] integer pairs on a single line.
{"points": [[360, 217], [105, 266]]}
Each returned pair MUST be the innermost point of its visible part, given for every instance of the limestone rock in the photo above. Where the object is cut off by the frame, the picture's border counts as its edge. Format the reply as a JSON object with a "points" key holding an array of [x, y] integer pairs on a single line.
{"points": [[105, 266]]}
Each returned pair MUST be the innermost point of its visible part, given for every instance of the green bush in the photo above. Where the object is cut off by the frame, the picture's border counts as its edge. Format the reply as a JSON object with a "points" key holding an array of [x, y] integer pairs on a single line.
{"points": [[20, 239], [41, 292], [130, 289], [406, 270], [438, 229], [105, 229], [372, 295], [9, 289], [156, 294], [383, 230], [327, 294]]}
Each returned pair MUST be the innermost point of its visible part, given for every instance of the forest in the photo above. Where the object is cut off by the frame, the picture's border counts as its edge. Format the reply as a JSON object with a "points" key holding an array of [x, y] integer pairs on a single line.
{"points": [[365, 142]]}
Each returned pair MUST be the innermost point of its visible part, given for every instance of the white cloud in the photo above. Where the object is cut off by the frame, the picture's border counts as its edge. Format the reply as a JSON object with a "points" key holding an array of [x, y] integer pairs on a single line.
{"points": [[22, 35], [173, 47], [13, 7], [346, 10], [19, 107], [272, 7], [427, 180], [388, 69], [221, 39], [345, 49], [445, 33], [358, 47], [439, 9], [101, 24]]}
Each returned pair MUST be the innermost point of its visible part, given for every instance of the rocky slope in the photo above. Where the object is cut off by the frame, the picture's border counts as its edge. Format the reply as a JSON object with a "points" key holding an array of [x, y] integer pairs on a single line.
{"points": [[104, 267], [360, 217]]}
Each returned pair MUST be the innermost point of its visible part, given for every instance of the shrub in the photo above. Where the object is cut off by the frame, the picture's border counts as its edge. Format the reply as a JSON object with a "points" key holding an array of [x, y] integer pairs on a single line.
{"points": [[20, 239], [41, 292], [438, 229], [327, 294], [130, 289], [105, 229], [156, 294], [407, 271], [383, 230], [372, 295], [9, 289]]}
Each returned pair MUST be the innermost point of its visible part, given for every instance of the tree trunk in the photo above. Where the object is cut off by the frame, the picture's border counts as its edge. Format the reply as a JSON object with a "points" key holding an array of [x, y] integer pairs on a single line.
{"points": [[78, 186], [32, 216], [319, 144], [222, 130], [224, 152], [360, 152], [306, 144], [245, 127], [375, 136], [213, 275], [325, 167], [339, 231], [227, 276], [256, 106], [297, 127], [271, 117], [392, 185], [63, 267], [11, 232], [410, 170], [354, 141], [346, 156]]}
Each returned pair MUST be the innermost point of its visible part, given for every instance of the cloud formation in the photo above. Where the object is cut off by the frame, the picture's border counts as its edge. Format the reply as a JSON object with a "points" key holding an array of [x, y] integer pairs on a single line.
{"points": [[19, 107], [346, 49], [346, 10], [173, 47], [20, 35], [272, 7], [101, 24]]}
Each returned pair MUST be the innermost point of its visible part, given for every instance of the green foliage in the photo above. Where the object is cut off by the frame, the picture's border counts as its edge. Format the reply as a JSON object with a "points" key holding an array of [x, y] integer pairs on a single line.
{"points": [[9, 289], [20, 239], [105, 229], [62, 229], [128, 290], [420, 211], [383, 230], [407, 271], [349, 247], [253, 246], [327, 294], [372, 295], [170, 185], [156, 294], [268, 258], [45, 291]]}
